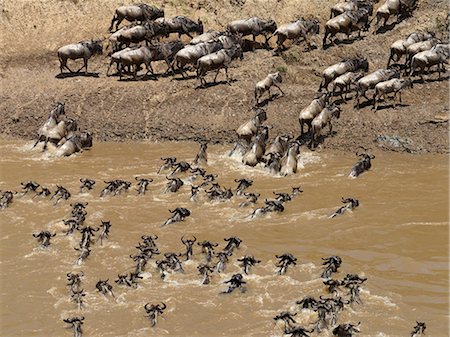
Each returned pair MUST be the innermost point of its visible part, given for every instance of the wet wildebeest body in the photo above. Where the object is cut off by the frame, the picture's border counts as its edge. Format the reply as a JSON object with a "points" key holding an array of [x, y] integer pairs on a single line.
{"points": [[129, 280], [346, 330], [232, 244], [76, 325], [189, 243], [264, 85], [74, 281], [105, 227], [394, 85], [236, 281], [296, 30], [353, 282], [253, 26], [347, 23], [321, 120], [135, 12], [142, 184], [6, 199], [269, 206], [222, 258], [77, 142], [60, 194], [115, 187], [247, 130], [86, 234], [247, 262], [331, 265], [53, 129], [178, 214], [173, 184], [205, 270], [182, 25], [44, 192], [191, 54], [252, 198], [257, 149], [350, 204], [201, 158], [169, 162], [44, 238], [419, 329], [86, 184], [243, 184], [284, 261], [82, 50], [399, 47], [297, 331], [84, 254], [400, 8], [307, 303], [207, 249], [104, 287], [308, 114], [287, 318], [153, 311], [370, 81], [364, 164], [29, 186], [328, 310], [217, 61], [77, 297], [288, 163], [438, 55], [338, 69]]}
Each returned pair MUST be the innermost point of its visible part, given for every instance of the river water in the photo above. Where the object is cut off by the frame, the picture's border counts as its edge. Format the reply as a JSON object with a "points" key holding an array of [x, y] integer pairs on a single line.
{"points": [[397, 238]]}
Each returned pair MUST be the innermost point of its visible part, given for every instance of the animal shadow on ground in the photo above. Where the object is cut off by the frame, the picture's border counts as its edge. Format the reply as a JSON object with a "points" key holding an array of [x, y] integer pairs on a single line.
{"points": [[431, 80], [144, 78], [248, 45], [384, 106], [76, 74], [266, 101], [213, 84], [338, 42], [188, 77], [320, 140]]}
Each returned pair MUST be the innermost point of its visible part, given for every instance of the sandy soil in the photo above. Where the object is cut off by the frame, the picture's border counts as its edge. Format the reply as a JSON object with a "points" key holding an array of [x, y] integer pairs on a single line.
{"points": [[168, 108]]}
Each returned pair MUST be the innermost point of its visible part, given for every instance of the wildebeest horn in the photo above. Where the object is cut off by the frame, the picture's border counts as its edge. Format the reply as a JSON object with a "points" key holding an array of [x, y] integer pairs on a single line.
{"points": [[145, 307], [164, 306]]}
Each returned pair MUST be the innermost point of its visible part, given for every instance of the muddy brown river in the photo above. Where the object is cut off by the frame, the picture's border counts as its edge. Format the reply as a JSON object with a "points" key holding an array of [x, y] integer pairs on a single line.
{"points": [[397, 238]]}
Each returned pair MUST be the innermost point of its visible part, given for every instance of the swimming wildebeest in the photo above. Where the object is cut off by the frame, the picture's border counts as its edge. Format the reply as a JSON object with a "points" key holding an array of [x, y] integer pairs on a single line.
{"points": [[207, 249], [182, 25], [135, 12], [253, 26], [321, 120], [251, 199], [77, 297], [201, 158], [284, 261], [269, 206], [189, 243], [338, 69], [44, 238], [346, 23], [82, 50], [86, 184], [419, 329], [217, 61], [142, 184], [77, 142], [307, 302], [346, 330], [264, 85], [76, 324], [222, 258], [205, 270], [29, 186], [169, 162], [243, 184], [400, 8], [173, 185], [129, 280], [308, 113], [236, 281], [331, 265], [247, 262], [233, 243], [363, 164], [296, 30], [394, 85], [54, 128], [353, 282], [178, 214], [104, 287], [61, 193], [287, 318], [153, 311], [74, 280], [350, 204], [297, 331], [105, 227], [6, 199]]}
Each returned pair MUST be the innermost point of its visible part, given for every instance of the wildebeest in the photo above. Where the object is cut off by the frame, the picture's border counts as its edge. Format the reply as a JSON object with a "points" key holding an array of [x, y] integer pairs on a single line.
{"points": [[169, 162], [247, 262], [182, 25], [438, 55], [206, 37], [346, 23], [363, 164], [288, 163], [331, 265], [135, 12], [54, 128], [207, 249], [346, 330], [153, 311], [236, 281], [269, 206], [104, 287], [82, 50], [251, 199], [191, 54], [338, 69], [284, 261], [297, 331], [137, 33], [393, 7], [321, 120], [188, 244], [398, 48], [6, 199], [76, 143], [344, 84], [370, 81], [418, 47], [86, 184], [76, 324], [264, 85], [205, 270], [257, 149], [351, 5], [44, 238], [173, 184], [287, 318], [295, 30], [394, 85], [350, 204], [419, 329], [249, 129], [178, 214], [217, 61], [308, 114], [201, 158], [253, 26], [115, 59], [61, 193]]}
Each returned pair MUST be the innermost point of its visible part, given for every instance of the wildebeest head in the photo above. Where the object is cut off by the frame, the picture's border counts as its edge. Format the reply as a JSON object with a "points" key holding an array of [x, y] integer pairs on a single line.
{"points": [[270, 26], [86, 140], [199, 26]]}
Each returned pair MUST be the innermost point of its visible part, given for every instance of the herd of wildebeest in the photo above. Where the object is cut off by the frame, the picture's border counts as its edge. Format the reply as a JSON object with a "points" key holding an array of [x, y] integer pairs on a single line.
{"points": [[211, 52]]}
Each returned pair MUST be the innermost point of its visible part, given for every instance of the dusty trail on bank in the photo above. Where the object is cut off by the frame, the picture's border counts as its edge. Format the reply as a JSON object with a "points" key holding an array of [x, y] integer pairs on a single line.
{"points": [[172, 109]]}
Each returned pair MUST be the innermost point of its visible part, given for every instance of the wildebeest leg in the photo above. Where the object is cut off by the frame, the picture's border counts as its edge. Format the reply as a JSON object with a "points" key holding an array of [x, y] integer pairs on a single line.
{"points": [[85, 65], [45, 144], [226, 74], [330, 126], [217, 73], [282, 93]]}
